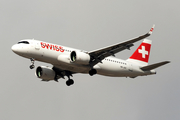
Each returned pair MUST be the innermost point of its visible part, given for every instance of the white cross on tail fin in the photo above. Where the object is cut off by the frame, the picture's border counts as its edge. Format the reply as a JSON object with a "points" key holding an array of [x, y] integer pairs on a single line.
{"points": [[141, 55]]}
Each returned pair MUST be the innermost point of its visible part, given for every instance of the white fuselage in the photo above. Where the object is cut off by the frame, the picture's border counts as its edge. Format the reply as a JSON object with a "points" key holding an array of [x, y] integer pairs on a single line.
{"points": [[59, 56]]}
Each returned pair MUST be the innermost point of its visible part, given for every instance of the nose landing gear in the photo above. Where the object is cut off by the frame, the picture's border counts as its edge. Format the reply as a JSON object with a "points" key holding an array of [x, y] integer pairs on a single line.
{"points": [[32, 61]]}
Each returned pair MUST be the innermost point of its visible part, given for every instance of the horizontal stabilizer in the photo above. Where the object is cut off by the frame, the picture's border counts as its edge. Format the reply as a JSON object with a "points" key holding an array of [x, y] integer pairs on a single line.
{"points": [[153, 66]]}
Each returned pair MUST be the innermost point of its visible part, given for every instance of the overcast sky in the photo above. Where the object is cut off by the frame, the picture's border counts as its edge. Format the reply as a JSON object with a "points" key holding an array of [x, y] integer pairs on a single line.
{"points": [[89, 25]]}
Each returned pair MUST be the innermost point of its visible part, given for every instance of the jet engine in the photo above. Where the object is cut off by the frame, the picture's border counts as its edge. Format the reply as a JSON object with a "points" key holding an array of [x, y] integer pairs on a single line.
{"points": [[79, 57], [45, 73]]}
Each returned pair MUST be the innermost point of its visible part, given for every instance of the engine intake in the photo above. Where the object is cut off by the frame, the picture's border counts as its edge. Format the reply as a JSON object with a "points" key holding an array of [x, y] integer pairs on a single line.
{"points": [[79, 57], [45, 73]]}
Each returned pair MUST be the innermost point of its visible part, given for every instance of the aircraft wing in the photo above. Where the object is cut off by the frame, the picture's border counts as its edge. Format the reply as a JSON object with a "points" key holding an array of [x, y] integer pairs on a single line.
{"points": [[100, 54]]}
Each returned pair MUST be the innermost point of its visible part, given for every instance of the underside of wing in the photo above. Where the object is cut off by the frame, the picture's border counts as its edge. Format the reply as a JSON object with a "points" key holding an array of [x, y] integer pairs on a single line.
{"points": [[62, 73]]}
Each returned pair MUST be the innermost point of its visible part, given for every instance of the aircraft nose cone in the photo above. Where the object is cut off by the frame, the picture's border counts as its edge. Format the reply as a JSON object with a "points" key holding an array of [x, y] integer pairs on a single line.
{"points": [[14, 48]]}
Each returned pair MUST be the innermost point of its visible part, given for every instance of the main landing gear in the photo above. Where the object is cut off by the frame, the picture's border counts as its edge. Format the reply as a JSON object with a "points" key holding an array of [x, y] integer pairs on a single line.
{"points": [[92, 72], [32, 61], [61, 74], [69, 82]]}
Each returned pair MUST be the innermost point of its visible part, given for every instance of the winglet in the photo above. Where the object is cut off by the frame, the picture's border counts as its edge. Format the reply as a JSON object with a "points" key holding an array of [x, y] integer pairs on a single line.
{"points": [[151, 30]]}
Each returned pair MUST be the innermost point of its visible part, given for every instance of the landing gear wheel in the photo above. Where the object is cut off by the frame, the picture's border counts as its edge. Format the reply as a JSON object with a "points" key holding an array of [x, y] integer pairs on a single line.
{"points": [[31, 66], [32, 61], [92, 72], [69, 82]]}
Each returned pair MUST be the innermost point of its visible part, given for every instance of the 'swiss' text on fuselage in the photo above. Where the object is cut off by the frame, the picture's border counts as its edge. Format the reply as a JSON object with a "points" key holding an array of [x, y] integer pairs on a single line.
{"points": [[52, 47]]}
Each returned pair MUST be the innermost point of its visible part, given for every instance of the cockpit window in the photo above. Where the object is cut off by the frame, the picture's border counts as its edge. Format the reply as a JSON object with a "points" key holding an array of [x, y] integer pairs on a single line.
{"points": [[25, 42]]}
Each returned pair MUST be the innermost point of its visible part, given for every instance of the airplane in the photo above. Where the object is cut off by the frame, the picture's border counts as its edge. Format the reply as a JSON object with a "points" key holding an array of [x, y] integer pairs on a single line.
{"points": [[67, 61]]}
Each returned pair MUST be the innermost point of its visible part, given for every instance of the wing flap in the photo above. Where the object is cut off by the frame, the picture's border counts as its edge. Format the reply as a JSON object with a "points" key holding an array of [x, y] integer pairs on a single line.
{"points": [[153, 66]]}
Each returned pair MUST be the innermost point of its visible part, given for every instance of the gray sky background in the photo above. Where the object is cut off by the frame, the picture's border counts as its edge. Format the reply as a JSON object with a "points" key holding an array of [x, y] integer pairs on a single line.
{"points": [[89, 25]]}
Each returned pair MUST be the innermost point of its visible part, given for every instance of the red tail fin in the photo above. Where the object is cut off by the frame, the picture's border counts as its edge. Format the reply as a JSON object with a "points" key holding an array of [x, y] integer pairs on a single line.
{"points": [[141, 55]]}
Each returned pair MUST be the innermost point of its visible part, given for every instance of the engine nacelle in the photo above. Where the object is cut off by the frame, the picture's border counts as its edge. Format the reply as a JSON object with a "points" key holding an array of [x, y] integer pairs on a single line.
{"points": [[79, 57], [45, 73]]}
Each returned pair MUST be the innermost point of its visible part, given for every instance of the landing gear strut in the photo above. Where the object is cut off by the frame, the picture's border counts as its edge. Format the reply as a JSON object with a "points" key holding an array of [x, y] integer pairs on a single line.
{"points": [[32, 61]]}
